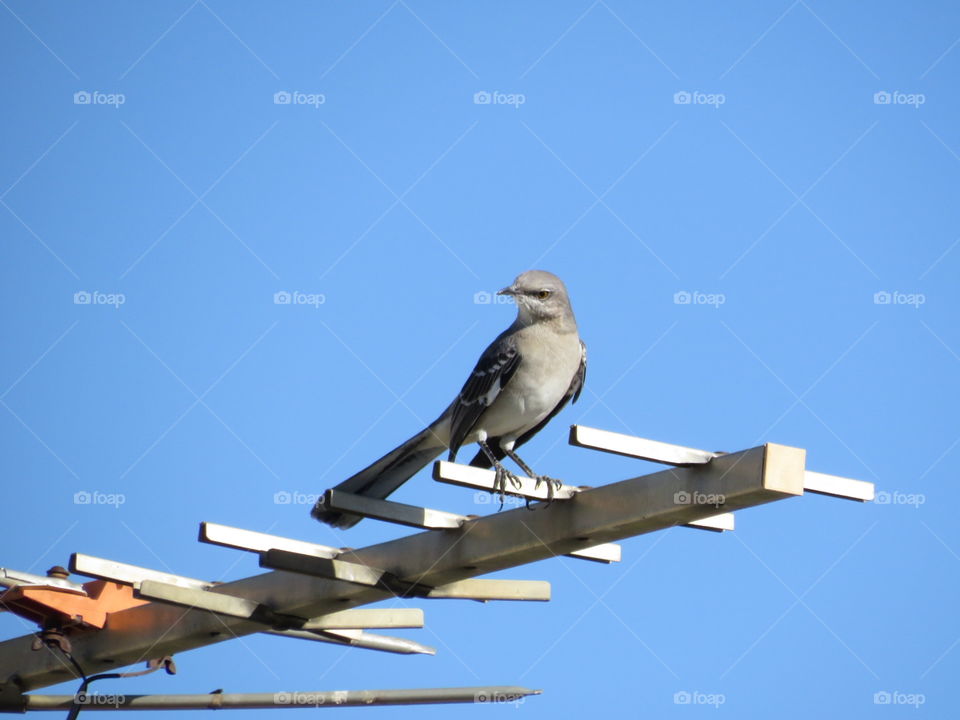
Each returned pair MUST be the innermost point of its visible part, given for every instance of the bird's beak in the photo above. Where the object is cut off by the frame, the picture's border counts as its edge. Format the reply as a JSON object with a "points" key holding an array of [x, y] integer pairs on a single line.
{"points": [[509, 290]]}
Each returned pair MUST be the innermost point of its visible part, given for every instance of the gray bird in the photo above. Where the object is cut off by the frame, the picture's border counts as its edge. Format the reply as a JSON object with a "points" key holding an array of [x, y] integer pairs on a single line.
{"points": [[524, 378]]}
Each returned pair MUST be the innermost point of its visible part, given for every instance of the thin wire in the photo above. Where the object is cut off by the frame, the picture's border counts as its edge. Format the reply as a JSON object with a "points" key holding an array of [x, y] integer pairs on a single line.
{"points": [[84, 683]]}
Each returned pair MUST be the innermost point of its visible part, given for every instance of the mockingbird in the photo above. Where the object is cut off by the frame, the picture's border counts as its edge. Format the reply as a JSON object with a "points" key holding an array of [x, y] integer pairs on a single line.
{"points": [[524, 378]]}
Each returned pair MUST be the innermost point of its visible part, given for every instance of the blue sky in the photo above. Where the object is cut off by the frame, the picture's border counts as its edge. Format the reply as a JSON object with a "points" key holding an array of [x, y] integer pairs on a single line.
{"points": [[791, 168]]}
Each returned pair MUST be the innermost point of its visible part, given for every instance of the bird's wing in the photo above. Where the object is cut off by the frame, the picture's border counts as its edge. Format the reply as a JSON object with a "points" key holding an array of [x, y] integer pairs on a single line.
{"points": [[493, 371], [572, 395], [576, 385]]}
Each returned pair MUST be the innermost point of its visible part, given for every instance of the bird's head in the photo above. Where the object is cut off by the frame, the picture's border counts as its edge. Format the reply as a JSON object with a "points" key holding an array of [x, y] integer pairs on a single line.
{"points": [[539, 296]]}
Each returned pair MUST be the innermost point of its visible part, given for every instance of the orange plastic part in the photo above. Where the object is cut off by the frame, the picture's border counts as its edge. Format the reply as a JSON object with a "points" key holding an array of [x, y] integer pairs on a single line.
{"points": [[53, 606]]}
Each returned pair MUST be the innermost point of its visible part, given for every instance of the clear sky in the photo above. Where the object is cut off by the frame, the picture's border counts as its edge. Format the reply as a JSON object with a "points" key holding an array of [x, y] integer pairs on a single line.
{"points": [[789, 168]]}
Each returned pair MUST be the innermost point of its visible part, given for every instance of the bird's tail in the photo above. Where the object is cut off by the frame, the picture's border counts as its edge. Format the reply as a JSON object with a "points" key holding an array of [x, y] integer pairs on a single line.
{"points": [[385, 475]]}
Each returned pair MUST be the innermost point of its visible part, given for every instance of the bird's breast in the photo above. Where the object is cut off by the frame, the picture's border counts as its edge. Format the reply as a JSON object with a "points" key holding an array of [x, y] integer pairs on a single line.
{"points": [[546, 370]]}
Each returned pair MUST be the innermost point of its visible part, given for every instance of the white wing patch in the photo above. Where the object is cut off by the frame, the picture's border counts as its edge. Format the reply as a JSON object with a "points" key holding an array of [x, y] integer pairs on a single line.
{"points": [[490, 395]]}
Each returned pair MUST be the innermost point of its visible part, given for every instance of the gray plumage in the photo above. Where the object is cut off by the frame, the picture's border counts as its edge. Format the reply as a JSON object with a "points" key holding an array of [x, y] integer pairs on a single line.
{"points": [[521, 381]]}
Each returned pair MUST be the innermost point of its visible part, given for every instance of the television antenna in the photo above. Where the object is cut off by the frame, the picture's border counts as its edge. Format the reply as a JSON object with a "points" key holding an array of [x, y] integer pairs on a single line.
{"points": [[318, 593]]}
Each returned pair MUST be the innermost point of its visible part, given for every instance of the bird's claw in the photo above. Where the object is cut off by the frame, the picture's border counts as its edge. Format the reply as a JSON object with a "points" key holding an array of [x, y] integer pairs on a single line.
{"points": [[557, 484], [552, 486], [501, 475]]}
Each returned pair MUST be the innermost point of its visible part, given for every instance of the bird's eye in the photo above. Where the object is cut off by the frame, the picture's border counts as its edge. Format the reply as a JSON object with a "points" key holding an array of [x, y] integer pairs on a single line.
{"points": [[543, 294]]}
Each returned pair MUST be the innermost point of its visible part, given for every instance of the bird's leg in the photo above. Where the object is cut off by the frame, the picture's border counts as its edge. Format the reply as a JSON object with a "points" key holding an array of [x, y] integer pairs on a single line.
{"points": [[501, 474], [552, 483]]}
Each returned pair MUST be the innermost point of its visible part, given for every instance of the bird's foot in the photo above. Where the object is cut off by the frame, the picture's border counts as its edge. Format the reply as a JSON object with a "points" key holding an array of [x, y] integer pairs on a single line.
{"points": [[552, 485], [501, 476]]}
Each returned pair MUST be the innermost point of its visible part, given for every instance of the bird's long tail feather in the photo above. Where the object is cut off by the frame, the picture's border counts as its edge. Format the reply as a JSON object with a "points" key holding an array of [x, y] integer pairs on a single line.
{"points": [[385, 475]]}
